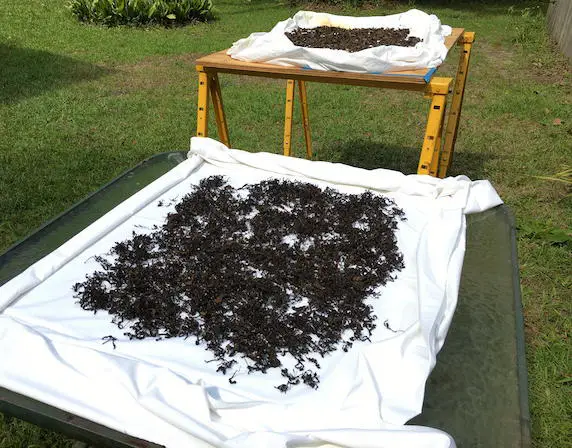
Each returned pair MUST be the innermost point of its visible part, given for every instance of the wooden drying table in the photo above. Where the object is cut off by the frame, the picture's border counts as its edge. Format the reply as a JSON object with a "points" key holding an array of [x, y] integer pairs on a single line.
{"points": [[433, 159]]}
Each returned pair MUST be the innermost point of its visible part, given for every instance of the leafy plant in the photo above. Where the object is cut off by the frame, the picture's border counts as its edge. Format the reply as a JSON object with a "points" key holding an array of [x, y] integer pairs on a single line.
{"points": [[337, 3], [540, 231], [141, 12], [528, 26]]}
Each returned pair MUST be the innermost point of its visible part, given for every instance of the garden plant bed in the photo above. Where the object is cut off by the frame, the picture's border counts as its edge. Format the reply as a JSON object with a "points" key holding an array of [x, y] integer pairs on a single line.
{"points": [[274, 274], [351, 40]]}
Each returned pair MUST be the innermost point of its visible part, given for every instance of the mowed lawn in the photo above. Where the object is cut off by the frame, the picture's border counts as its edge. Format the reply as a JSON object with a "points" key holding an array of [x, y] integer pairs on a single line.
{"points": [[81, 104]]}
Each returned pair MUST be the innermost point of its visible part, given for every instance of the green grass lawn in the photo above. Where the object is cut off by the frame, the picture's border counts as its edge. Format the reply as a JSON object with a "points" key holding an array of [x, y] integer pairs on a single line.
{"points": [[80, 104]]}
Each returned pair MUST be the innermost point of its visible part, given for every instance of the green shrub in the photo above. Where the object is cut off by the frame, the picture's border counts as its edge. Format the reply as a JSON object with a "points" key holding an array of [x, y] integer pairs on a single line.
{"points": [[141, 12], [337, 3]]}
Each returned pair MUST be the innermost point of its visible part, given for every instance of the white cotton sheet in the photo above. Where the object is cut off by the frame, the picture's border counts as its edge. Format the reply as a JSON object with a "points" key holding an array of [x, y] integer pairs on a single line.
{"points": [[165, 392], [274, 47]]}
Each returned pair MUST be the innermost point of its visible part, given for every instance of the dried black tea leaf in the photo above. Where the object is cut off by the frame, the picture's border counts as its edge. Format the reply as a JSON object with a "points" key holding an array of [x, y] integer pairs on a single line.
{"points": [[352, 40], [273, 270]]}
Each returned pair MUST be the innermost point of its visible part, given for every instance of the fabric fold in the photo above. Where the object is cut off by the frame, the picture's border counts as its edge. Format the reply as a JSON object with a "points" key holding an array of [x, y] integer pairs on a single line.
{"points": [[274, 47], [167, 391]]}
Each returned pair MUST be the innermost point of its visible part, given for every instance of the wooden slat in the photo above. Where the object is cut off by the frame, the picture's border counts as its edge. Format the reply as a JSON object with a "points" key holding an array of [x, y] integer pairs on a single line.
{"points": [[221, 62], [454, 37], [413, 79]]}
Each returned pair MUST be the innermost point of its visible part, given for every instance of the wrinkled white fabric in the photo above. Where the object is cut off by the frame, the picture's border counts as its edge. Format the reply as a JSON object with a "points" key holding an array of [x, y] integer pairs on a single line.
{"points": [[274, 47], [165, 392]]}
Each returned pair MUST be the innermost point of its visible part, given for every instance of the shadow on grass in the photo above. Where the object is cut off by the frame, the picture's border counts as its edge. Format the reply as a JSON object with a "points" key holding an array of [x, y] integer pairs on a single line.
{"points": [[470, 164], [370, 155], [26, 72]]}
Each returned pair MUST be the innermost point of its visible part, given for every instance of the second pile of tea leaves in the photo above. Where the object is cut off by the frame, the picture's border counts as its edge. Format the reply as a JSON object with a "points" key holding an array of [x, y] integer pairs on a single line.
{"points": [[261, 273]]}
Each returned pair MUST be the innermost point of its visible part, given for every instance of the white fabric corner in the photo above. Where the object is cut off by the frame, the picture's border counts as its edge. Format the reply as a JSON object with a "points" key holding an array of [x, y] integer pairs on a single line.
{"points": [[164, 392], [274, 47]]}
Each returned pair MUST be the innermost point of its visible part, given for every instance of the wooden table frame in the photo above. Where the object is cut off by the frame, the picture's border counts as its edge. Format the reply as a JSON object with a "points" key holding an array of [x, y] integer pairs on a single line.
{"points": [[436, 152]]}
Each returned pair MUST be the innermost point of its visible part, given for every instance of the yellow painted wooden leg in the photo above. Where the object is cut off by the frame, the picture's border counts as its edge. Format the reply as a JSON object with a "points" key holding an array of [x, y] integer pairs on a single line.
{"points": [[438, 88], [219, 109], [288, 118], [203, 104], [434, 170], [429, 157], [305, 117], [465, 44]]}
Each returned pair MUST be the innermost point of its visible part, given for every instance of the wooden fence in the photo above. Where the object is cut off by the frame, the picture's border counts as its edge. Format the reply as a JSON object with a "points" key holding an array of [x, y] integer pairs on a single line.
{"points": [[560, 24]]}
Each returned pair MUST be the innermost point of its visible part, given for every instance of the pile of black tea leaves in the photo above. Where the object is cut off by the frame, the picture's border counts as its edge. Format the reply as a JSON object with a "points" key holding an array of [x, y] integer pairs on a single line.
{"points": [[352, 40], [259, 273]]}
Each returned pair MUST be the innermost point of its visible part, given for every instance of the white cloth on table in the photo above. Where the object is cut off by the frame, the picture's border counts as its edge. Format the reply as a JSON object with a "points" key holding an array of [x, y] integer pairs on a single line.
{"points": [[274, 47], [164, 391]]}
